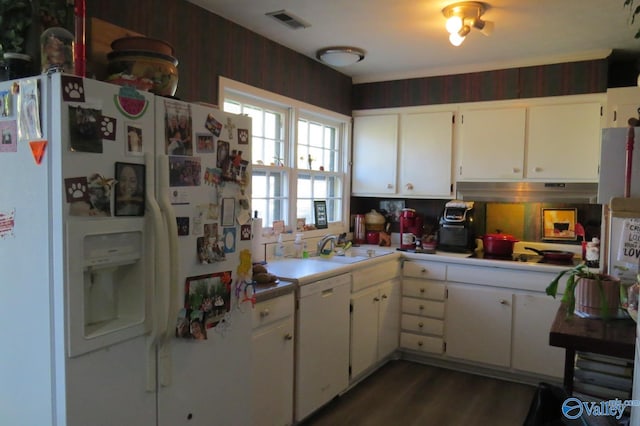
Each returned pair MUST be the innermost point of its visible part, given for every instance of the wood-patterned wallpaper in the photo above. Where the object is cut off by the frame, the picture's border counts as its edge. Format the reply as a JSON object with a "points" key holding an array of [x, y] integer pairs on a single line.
{"points": [[209, 46]]}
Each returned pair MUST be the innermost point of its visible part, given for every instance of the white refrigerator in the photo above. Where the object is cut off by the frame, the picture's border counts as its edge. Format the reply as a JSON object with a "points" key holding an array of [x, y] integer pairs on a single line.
{"points": [[124, 246]]}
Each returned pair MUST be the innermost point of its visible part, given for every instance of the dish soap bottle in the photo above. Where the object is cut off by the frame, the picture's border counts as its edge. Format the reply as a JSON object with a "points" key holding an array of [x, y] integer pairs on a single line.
{"points": [[298, 247], [279, 247]]}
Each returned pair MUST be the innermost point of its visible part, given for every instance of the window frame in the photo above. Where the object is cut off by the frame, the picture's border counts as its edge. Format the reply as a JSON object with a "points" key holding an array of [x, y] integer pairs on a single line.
{"points": [[298, 109]]}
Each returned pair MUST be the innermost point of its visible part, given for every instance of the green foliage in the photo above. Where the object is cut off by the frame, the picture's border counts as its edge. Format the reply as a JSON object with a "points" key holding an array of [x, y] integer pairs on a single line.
{"points": [[575, 275], [633, 13], [15, 20]]}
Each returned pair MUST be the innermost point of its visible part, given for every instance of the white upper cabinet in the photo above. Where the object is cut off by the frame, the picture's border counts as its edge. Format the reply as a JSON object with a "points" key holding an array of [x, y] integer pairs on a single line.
{"points": [[491, 143], [426, 142], [623, 103], [564, 141], [375, 147], [403, 154]]}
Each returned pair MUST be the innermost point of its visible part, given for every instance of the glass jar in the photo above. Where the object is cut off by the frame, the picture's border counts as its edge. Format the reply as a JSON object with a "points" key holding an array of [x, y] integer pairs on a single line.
{"points": [[56, 50], [16, 65]]}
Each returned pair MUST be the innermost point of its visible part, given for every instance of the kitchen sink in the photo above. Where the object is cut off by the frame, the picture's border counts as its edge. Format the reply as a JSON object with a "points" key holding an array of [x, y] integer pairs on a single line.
{"points": [[353, 255]]}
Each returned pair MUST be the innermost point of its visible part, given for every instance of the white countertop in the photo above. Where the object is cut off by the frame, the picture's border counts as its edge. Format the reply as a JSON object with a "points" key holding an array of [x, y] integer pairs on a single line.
{"points": [[304, 271]]}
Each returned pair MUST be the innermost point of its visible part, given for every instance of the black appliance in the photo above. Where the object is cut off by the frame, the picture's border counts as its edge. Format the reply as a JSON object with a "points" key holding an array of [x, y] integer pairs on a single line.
{"points": [[456, 231]]}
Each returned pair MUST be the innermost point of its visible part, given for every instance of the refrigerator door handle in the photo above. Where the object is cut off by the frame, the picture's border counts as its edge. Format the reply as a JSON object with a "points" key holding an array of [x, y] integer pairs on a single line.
{"points": [[168, 316], [160, 278]]}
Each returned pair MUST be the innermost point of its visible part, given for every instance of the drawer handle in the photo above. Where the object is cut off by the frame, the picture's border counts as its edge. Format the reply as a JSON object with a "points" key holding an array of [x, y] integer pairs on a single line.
{"points": [[421, 307], [327, 292], [504, 302], [288, 336], [422, 290], [264, 313], [376, 299], [423, 270], [420, 324], [420, 343], [384, 296]]}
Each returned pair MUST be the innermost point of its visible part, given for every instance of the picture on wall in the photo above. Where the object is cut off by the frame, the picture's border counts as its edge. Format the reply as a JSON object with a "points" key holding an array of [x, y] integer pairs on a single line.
{"points": [[559, 224]]}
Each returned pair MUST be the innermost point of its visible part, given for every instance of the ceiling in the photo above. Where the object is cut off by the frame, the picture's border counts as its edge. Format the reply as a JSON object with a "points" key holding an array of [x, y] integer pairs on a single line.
{"points": [[406, 38]]}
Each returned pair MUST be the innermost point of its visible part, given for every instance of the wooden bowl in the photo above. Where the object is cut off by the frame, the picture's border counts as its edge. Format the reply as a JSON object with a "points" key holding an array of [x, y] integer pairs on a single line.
{"points": [[143, 43]]}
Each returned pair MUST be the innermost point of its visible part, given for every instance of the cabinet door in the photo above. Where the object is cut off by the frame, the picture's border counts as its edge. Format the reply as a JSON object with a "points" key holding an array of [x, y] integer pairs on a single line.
{"points": [[364, 330], [478, 324], [622, 104], [389, 318], [272, 353], [375, 144], [492, 144], [532, 318], [564, 141], [425, 154]]}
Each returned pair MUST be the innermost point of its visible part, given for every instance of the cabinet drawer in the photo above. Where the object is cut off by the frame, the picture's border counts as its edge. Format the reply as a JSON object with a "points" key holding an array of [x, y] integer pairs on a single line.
{"points": [[272, 310], [421, 269], [422, 324], [423, 289], [371, 275], [428, 308], [416, 342]]}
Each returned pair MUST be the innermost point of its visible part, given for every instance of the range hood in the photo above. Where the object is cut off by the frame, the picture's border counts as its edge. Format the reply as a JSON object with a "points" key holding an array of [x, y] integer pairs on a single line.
{"points": [[541, 192]]}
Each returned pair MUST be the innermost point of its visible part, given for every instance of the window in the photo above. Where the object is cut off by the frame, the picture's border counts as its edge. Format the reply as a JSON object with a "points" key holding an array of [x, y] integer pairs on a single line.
{"points": [[298, 155]]}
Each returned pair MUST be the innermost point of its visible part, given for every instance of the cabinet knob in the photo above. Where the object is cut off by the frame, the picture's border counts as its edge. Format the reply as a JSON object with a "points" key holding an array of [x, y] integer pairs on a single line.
{"points": [[422, 290], [264, 313], [409, 186], [384, 296], [420, 343], [423, 271], [421, 307], [420, 324], [537, 169], [516, 170], [504, 302], [288, 336], [376, 299], [389, 186]]}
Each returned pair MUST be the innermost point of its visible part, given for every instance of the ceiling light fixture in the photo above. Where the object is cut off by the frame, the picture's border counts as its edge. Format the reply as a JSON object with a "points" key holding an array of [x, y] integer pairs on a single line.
{"points": [[463, 16], [340, 56]]}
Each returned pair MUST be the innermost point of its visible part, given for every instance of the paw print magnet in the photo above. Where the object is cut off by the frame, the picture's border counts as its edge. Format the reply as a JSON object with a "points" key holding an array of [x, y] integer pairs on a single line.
{"points": [[108, 128], [76, 189], [243, 136], [72, 89]]}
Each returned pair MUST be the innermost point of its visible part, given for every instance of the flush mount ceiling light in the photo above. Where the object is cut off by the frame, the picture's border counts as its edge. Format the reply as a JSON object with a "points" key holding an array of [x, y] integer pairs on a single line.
{"points": [[340, 56], [463, 16]]}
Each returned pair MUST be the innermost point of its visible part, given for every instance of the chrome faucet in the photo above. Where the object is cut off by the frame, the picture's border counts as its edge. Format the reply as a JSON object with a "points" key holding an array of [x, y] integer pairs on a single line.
{"points": [[329, 238]]}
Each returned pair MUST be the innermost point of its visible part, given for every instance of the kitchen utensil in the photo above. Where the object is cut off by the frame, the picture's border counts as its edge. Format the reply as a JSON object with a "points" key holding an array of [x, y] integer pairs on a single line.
{"points": [[498, 244], [553, 255]]}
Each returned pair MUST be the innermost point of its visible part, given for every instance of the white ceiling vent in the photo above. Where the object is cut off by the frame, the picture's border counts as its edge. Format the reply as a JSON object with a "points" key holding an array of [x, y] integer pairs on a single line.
{"points": [[288, 19]]}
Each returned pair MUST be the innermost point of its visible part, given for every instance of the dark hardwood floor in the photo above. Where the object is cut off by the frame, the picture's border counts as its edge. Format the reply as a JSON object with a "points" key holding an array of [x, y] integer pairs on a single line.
{"points": [[404, 393]]}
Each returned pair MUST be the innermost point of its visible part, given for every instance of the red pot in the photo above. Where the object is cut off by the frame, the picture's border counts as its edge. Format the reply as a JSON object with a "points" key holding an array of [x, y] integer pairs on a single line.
{"points": [[498, 244]]}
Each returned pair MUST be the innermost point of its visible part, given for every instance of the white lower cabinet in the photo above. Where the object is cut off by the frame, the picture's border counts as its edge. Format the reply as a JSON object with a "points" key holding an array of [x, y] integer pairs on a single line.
{"points": [[492, 317], [423, 307], [479, 324], [374, 325], [322, 343], [533, 315], [272, 362], [375, 315]]}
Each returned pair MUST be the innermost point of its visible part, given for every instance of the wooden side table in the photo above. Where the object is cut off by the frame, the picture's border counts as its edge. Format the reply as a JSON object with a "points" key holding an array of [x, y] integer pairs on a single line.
{"points": [[615, 338]]}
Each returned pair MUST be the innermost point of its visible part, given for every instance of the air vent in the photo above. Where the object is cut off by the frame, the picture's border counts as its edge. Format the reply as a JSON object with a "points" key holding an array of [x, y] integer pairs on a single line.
{"points": [[288, 19]]}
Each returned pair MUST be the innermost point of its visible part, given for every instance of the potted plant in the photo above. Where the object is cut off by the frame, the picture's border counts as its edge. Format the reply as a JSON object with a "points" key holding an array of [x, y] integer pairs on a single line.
{"points": [[594, 294], [15, 21]]}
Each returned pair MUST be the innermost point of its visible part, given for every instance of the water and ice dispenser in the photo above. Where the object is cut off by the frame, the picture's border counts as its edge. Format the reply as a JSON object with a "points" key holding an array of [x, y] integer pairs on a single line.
{"points": [[107, 287]]}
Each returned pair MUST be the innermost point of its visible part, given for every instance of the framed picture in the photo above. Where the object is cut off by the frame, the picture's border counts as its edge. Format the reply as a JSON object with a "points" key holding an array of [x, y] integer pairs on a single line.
{"points": [[320, 208], [129, 191], [393, 208], [208, 298], [559, 224]]}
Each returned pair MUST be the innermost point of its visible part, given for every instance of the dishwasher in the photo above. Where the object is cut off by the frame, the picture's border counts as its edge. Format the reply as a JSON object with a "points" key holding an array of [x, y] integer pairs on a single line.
{"points": [[322, 343]]}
